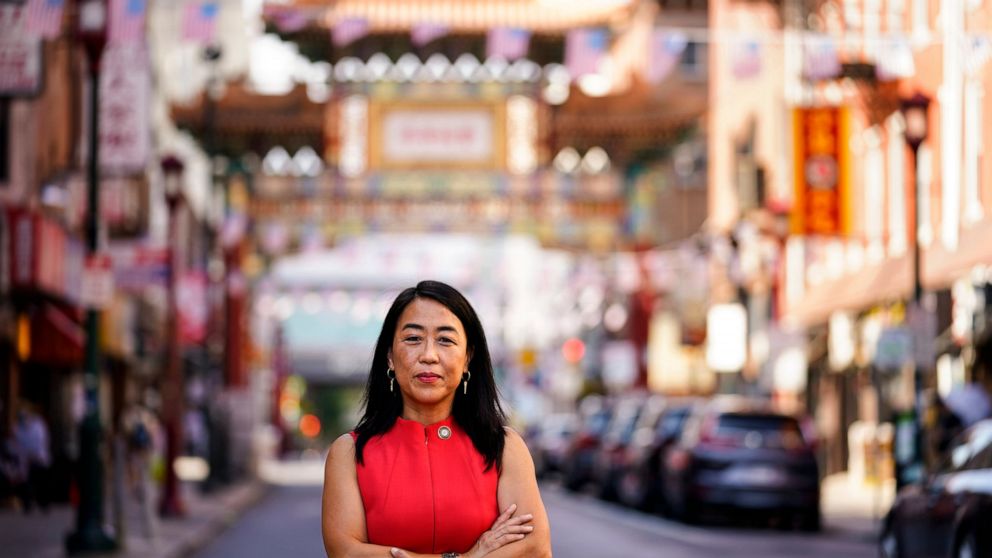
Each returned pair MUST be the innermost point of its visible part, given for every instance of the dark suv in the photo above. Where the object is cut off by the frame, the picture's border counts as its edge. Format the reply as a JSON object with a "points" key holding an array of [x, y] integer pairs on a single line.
{"points": [[736, 454], [950, 513]]}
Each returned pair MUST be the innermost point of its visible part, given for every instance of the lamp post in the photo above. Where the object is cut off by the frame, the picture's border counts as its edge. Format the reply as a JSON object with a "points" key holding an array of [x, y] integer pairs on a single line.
{"points": [[914, 112], [89, 536], [173, 386], [909, 464]]}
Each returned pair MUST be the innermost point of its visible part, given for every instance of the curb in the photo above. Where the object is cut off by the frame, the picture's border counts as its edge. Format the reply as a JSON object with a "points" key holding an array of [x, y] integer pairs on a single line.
{"points": [[216, 526]]}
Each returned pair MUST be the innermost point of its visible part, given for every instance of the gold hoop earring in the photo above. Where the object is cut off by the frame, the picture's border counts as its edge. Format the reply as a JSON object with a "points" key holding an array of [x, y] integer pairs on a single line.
{"points": [[392, 376], [467, 376]]}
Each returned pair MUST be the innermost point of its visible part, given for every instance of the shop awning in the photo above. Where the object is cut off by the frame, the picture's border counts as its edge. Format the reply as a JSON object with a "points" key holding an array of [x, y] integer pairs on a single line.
{"points": [[888, 280], [57, 338], [942, 267], [892, 278], [245, 118]]}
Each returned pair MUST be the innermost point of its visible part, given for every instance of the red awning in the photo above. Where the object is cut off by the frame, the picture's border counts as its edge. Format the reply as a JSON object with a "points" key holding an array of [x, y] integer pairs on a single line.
{"points": [[57, 338]]}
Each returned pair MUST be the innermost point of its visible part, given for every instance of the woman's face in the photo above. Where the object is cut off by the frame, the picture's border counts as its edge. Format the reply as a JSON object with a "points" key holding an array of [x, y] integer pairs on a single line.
{"points": [[429, 353]]}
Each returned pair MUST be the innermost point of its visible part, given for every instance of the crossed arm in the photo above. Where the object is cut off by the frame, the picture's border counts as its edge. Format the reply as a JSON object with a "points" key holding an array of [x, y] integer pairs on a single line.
{"points": [[521, 530]]}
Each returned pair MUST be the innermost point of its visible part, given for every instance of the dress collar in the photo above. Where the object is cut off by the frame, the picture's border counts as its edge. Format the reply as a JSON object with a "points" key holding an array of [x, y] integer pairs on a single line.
{"points": [[413, 428]]}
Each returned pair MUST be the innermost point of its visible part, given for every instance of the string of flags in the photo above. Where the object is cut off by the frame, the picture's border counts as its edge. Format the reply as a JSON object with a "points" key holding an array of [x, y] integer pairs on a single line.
{"points": [[586, 49]]}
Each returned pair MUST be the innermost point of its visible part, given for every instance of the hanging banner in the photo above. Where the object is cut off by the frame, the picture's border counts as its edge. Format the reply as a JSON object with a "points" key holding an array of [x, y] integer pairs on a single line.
{"points": [[191, 300], [820, 58], [125, 90], [822, 168], [745, 59], [584, 49], [507, 42]]}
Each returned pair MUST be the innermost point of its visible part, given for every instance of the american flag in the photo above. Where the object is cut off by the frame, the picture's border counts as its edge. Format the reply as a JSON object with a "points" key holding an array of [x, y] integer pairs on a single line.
{"points": [[820, 58], [665, 52], [199, 21], [290, 21], [45, 17], [349, 30], [507, 42], [423, 33], [127, 21], [583, 50]]}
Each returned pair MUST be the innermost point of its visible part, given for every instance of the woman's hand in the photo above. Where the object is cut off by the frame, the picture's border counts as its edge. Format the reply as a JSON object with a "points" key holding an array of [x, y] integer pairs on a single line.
{"points": [[505, 530]]}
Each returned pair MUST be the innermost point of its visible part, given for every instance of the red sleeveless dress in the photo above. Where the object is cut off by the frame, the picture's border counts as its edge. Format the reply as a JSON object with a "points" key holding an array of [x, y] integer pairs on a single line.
{"points": [[425, 488]]}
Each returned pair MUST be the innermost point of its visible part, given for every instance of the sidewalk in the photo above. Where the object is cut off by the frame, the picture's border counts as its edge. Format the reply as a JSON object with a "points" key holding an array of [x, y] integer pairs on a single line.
{"points": [[42, 535], [854, 509]]}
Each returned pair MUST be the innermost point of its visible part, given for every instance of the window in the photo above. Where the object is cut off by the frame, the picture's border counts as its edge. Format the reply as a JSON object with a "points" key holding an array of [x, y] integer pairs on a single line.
{"points": [[872, 27], [921, 19], [895, 16], [4, 140], [693, 61], [897, 183], [973, 94]]}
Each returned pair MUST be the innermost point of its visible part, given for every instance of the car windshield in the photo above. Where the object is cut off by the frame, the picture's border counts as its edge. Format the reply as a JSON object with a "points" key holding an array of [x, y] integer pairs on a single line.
{"points": [[766, 431], [597, 422], [672, 421]]}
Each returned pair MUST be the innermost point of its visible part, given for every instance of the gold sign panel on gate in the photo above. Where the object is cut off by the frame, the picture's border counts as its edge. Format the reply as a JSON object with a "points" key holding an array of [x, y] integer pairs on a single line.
{"points": [[454, 135]]}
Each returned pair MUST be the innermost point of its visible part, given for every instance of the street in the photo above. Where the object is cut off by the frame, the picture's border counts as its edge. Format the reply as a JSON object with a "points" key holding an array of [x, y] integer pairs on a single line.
{"points": [[287, 523]]}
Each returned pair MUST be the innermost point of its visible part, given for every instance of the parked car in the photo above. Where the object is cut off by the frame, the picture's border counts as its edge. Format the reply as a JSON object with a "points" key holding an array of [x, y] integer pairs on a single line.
{"points": [[735, 454], [550, 440], [950, 514], [610, 455], [642, 471], [594, 416]]}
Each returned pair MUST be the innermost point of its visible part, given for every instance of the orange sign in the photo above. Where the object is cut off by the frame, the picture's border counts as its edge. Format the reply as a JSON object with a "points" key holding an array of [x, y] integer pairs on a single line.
{"points": [[822, 204]]}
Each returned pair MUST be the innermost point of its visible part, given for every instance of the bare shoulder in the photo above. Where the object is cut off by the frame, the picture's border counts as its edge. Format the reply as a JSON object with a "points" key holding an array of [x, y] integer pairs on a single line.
{"points": [[515, 447], [342, 451]]}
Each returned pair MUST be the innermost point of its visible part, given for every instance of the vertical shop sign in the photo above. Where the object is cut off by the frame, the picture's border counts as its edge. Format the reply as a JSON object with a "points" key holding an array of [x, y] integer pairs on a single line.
{"points": [[21, 59], [125, 90], [822, 200]]}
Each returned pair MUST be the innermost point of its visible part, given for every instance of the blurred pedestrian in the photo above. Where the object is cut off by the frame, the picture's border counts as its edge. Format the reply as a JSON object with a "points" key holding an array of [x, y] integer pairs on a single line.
{"points": [[431, 462], [13, 471], [970, 402], [139, 425], [947, 425], [31, 434]]}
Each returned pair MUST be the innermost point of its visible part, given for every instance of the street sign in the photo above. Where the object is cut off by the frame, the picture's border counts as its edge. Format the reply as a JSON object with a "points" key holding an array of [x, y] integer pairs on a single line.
{"points": [[894, 348], [98, 282]]}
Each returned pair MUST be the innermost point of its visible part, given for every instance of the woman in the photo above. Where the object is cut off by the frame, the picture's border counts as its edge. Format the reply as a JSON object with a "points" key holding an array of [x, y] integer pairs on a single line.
{"points": [[431, 462]]}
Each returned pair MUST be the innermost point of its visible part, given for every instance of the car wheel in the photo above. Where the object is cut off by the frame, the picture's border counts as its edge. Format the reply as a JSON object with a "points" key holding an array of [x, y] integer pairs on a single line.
{"points": [[810, 521], [889, 546], [631, 489], [691, 512], [967, 548]]}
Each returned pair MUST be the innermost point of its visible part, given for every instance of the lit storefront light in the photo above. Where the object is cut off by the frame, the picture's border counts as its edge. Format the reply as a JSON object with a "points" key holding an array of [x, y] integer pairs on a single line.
{"points": [[567, 161], [353, 133], [595, 85], [615, 317], [726, 337], [284, 307], [596, 161], [312, 303], [521, 135]]}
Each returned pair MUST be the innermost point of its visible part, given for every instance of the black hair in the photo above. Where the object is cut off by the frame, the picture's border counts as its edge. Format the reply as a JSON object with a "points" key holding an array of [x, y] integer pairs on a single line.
{"points": [[478, 413]]}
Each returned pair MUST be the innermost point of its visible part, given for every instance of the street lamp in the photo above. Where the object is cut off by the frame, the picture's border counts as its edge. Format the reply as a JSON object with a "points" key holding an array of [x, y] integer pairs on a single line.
{"points": [[173, 386], [909, 464], [914, 112], [89, 536]]}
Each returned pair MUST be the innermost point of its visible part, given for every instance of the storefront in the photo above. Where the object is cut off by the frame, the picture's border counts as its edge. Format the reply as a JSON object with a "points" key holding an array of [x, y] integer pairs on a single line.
{"points": [[43, 338]]}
